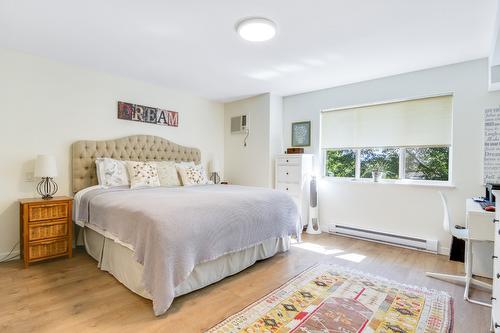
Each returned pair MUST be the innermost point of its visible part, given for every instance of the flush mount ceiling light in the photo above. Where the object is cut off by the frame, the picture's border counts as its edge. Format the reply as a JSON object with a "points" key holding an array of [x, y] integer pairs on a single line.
{"points": [[256, 29]]}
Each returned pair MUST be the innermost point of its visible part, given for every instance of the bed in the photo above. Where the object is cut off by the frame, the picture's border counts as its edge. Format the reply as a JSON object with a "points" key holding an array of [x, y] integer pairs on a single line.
{"points": [[165, 242]]}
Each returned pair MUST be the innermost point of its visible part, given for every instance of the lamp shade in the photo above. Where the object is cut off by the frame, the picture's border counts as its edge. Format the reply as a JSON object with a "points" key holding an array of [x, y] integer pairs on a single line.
{"points": [[45, 166], [214, 166]]}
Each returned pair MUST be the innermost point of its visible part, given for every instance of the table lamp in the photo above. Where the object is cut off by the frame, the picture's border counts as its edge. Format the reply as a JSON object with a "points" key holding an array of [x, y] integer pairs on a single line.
{"points": [[45, 168], [215, 169]]}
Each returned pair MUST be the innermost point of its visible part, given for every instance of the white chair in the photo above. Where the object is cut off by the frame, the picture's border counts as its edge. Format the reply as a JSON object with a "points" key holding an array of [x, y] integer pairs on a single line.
{"points": [[468, 279]]}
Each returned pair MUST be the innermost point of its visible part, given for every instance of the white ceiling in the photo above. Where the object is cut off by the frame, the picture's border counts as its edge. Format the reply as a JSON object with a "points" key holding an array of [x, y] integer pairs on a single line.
{"points": [[191, 45]]}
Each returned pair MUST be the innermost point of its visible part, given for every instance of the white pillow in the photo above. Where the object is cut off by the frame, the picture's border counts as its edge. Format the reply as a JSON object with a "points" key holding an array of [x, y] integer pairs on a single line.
{"points": [[111, 172], [167, 173], [142, 174], [193, 175], [185, 164]]}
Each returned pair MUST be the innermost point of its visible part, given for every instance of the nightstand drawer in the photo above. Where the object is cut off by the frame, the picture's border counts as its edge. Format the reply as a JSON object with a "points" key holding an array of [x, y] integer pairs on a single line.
{"points": [[47, 248], [50, 229], [48, 211]]}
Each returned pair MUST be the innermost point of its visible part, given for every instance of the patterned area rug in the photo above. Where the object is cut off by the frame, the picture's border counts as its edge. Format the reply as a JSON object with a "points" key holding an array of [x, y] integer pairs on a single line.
{"points": [[328, 298]]}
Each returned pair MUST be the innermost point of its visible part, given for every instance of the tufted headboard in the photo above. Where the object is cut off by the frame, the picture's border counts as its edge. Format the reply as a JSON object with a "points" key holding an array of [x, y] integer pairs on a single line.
{"points": [[135, 147]]}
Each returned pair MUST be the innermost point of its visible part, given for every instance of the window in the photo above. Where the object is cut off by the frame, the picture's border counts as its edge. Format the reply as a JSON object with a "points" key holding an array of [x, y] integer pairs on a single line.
{"points": [[407, 140], [411, 163], [341, 163], [382, 159], [427, 163]]}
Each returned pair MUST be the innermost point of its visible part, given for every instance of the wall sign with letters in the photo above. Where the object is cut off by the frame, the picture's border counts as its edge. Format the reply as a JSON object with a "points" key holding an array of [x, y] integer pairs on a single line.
{"points": [[147, 114], [492, 146]]}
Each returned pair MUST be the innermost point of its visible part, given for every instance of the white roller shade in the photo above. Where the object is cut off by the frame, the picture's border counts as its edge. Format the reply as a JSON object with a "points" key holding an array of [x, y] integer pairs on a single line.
{"points": [[419, 122]]}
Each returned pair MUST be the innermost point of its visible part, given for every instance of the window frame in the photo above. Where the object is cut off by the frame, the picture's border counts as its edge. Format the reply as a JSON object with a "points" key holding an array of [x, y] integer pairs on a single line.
{"points": [[402, 165]]}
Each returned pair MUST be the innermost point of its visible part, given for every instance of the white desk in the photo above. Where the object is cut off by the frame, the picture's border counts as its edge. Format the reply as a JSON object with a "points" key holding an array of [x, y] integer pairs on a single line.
{"points": [[482, 234]]}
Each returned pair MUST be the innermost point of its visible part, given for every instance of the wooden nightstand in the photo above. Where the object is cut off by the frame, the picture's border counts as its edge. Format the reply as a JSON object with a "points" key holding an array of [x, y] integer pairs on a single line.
{"points": [[46, 228]]}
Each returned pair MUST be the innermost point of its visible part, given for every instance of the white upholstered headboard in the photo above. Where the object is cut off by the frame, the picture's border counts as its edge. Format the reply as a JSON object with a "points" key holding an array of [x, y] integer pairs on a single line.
{"points": [[135, 147]]}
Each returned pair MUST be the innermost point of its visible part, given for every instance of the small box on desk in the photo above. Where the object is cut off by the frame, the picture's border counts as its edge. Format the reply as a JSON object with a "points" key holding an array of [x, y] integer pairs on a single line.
{"points": [[295, 150]]}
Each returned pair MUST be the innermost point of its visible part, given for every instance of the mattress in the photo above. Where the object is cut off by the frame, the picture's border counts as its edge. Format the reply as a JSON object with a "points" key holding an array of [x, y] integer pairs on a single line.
{"points": [[118, 259]]}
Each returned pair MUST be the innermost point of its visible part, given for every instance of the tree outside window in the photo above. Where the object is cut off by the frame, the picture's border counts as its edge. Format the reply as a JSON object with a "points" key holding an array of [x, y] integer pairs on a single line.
{"points": [[420, 163], [341, 163], [427, 163], [385, 160]]}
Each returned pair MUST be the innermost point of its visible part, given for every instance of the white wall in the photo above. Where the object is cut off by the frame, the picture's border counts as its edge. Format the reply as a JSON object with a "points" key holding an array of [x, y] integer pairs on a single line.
{"points": [[46, 106], [275, 132], [248, 165], [405, 209], [253, 165]]}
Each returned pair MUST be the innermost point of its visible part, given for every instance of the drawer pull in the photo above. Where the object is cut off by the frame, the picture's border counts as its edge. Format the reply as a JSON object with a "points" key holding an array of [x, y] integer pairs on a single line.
{"points": [[286, 161], [287, 188], [495, 220], [498, 275], [287, 173], [494, 257], [496, 325], [493, 298]]}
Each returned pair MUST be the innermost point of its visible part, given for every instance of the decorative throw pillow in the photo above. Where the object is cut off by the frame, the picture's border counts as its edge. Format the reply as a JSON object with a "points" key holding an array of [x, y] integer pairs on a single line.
{"points": [[193, 175], [167, 173], [143, 174], [111, 172]]}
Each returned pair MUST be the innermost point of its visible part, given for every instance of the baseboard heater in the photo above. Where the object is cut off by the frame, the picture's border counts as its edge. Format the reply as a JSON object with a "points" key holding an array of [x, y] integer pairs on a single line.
{"points": [[429, 245]]}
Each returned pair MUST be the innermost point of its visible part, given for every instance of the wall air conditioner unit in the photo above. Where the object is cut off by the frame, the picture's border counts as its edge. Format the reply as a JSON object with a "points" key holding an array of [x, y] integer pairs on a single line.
{"points": [[430, 245], [239, 125]]}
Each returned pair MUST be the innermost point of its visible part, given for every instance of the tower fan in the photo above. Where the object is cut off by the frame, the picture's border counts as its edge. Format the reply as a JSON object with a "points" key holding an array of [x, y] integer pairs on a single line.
{"points": [[313, 226]]}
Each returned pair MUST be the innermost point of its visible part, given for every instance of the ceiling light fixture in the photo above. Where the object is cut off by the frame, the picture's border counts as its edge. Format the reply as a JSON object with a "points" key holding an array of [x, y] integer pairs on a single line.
{"points": [[256, 29]]}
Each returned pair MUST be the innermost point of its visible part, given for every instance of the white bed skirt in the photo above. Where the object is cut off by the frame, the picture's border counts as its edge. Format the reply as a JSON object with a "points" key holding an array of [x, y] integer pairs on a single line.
{"points": [[119, 260]]}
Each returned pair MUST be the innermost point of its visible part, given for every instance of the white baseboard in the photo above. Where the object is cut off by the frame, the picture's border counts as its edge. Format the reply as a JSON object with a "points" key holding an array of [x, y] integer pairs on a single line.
{"points": [[15, 255], [445, 251]]}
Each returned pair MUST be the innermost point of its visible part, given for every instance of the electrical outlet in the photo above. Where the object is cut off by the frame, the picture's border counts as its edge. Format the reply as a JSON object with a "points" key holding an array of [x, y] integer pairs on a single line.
{"points": [[29, 177]]}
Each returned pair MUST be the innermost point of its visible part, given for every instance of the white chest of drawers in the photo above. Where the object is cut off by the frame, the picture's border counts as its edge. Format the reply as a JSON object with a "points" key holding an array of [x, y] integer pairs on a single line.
{"points": [[292, 175]]}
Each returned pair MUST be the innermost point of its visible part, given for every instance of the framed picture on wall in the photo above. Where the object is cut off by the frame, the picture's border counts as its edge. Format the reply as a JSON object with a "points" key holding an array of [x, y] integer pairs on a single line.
{"points": [[301, 134]]}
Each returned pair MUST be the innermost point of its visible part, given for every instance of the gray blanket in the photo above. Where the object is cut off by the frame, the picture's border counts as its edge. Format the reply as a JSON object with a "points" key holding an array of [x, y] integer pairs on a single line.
{"points": [[174, 229]]}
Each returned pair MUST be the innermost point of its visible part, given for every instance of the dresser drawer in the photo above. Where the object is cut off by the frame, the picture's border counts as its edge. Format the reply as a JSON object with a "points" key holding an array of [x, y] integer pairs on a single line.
{"points": [[47, 248], [288, 174], [291, 188], [496, 250], [288, 160], [50, 229], [494, 317], [495, 302], [47, 212]]}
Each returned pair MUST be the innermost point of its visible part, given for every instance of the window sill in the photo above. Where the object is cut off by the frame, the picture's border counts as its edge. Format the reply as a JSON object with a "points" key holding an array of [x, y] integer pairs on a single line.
{"points": [[421, 183]]}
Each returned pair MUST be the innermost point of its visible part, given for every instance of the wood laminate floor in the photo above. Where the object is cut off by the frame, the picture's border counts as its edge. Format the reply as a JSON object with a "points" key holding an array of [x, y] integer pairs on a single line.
{"points": [[73, 295]]}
